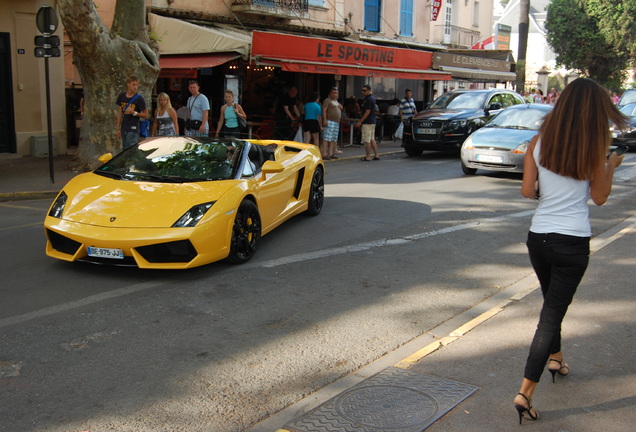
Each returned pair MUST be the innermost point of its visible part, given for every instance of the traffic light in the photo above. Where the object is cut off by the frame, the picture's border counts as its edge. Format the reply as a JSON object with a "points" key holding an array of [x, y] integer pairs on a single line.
{"points": [[47, 46]]}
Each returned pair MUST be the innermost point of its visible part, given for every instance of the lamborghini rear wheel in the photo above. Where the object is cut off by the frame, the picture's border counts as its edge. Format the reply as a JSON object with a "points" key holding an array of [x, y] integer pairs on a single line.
{"points": [[246, 233]]}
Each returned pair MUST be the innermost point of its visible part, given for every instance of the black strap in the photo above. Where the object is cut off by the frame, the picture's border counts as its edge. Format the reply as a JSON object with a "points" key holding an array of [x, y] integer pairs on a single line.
{"points": [[192, 104]]}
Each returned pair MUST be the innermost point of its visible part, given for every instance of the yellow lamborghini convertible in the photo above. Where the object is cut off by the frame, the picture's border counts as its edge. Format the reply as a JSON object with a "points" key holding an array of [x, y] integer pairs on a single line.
{"points": [[180, 202]]}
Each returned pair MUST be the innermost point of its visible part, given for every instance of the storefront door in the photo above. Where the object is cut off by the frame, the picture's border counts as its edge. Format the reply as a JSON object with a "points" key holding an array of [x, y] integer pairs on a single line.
{"points": [[7, 124]]}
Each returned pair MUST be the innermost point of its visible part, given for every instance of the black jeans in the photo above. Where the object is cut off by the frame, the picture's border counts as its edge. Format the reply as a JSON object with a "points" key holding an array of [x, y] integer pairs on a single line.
{"points": [[560, 262]]}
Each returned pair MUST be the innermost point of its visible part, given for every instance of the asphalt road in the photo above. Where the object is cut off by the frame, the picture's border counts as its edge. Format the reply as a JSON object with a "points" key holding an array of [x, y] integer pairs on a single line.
{"points": [[402, 245]]}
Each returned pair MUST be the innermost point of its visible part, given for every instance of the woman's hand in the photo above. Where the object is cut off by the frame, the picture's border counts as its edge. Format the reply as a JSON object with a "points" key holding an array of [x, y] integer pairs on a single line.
{"points": [[601, 183], [615, 160]]}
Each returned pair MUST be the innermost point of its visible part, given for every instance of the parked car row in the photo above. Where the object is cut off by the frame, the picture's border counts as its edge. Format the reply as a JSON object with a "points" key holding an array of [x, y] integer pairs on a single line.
{"points": [[491, 129]]}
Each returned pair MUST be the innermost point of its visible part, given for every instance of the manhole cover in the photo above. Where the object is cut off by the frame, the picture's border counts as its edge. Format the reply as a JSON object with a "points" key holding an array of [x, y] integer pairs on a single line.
{"points": [[387, 406], [393, 400]]}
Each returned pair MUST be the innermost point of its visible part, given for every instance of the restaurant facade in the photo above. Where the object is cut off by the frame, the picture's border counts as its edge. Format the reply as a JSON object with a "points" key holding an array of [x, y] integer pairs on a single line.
{"points": [[260, 48], [281, 55]]}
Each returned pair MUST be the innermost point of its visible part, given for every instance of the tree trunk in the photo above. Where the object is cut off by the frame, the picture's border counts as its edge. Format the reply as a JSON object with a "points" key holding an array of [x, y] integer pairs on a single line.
{"points": [[524, 21], [105, 59]]}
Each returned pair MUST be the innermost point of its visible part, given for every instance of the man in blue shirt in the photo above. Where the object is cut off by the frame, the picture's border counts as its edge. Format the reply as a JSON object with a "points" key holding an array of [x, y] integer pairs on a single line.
{"points": [[131, 106], [367, 122]]}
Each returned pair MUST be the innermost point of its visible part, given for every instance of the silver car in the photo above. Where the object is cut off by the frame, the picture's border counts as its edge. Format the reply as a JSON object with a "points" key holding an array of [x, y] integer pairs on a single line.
{"points": [[502, 143]]}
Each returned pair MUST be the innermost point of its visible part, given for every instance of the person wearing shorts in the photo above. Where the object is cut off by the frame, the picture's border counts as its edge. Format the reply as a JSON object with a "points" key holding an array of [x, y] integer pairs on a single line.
{"points": [[367, 124], [312, 124], [331, 115]]}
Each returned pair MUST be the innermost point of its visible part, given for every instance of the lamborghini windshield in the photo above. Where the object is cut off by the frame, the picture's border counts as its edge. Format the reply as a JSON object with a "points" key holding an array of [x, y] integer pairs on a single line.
{"points": [[176, 159]]}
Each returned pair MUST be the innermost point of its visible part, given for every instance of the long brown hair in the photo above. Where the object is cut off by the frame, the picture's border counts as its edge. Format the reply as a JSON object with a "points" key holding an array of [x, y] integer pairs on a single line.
{"points": [[575, 135]]}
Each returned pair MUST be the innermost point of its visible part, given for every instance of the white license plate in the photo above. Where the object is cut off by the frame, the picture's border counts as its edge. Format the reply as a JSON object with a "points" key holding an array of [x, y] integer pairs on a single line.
{"points": [[105, 253], [489, 158], [422, 131]]}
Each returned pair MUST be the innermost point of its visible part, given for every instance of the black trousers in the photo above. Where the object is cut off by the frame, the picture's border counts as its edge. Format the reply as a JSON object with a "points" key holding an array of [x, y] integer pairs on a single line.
{"points": [[560, 262]]}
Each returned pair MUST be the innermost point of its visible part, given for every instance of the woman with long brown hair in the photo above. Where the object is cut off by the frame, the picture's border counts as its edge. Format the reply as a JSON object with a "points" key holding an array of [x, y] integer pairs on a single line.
{"points": [[565, 166]]}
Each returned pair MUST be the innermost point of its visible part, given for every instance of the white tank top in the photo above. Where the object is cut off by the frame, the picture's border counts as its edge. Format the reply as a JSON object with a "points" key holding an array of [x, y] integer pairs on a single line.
{"points": [[562, 205]]}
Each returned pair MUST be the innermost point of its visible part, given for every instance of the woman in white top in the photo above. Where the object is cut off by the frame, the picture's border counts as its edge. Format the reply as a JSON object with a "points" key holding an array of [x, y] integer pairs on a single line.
{"points": [[166, 123], [228, 120], [565, 166]]}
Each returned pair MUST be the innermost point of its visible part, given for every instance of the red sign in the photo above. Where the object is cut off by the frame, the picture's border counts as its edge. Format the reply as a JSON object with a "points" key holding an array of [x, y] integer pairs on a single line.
{"points": [[487, 43], [325, 51], [435, 7]]}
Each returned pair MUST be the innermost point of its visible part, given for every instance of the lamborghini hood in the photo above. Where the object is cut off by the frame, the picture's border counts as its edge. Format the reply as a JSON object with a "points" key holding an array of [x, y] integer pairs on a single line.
{"points": [[96, 200]]}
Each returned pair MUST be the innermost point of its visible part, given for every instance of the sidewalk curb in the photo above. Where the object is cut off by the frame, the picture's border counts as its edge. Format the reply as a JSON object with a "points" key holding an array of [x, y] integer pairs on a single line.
{"points": [[23, 196]]}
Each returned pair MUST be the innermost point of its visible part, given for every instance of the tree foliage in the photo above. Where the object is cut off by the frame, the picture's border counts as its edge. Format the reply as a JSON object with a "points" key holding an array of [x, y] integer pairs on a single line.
{"points": [[596, 37], [105, 58]]}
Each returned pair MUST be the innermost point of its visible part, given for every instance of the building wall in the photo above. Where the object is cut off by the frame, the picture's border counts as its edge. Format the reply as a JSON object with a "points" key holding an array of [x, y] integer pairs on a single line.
{"points": [[329, 14], [471, 19], [17, 17]]}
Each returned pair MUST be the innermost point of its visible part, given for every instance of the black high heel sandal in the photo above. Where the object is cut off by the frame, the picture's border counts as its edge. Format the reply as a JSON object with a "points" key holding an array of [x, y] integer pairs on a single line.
{"points": [[523, 409], [558, 370]]}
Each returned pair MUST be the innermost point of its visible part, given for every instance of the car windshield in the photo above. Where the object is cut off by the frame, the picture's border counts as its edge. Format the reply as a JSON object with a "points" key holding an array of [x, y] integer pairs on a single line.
{"points": [[176, 160], [526, 118], [467, 100], [628, 97], [629, 110]]}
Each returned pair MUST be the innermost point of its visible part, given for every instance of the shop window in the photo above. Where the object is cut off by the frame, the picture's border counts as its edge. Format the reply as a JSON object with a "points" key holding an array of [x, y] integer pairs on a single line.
{"points": [[372, 15], [406, 18]]}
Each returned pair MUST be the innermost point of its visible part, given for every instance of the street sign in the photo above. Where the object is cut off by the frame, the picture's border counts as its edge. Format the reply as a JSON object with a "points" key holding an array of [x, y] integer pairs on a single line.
{"points": [[51, 41], [47, 46], [46, 20], [47, 52]]}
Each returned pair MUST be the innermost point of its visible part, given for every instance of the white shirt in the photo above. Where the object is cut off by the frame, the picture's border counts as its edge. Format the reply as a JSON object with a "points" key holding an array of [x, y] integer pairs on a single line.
{"points": [[562, 204]]}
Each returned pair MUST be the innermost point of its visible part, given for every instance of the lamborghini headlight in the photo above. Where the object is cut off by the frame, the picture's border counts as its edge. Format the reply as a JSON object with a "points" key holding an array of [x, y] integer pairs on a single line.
{"points": [[58, 205], [193, 216]]}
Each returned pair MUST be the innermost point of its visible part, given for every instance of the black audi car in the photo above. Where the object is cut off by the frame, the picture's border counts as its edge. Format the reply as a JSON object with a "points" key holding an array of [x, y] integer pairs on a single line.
{"points": [[448, 121]]}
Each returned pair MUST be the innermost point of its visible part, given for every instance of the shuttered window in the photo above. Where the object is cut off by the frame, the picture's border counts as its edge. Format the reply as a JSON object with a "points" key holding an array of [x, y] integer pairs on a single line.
{"points": [[406, 17], [372, 15]]}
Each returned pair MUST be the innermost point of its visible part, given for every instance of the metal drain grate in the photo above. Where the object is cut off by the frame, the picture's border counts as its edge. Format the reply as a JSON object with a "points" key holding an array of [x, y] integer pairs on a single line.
{"points": [[394, 400]]}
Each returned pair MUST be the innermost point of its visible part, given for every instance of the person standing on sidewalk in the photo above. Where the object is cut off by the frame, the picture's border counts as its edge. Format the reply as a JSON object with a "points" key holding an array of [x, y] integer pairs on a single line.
{"points": [[198, 111], [312, 124], [166, 122], [228, 124], [565, 165], [331, 116], [367, 124], [287, 114], [407, 106], [131, 106]]}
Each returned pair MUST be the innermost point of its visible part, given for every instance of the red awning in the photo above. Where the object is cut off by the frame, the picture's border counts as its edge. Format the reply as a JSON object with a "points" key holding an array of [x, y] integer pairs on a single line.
{"points": [[341, 69], [314, 55]]}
